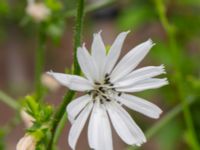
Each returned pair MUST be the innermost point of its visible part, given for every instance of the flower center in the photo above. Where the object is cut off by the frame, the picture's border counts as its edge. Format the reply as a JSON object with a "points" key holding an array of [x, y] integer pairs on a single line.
{"points": [[104, 92]]}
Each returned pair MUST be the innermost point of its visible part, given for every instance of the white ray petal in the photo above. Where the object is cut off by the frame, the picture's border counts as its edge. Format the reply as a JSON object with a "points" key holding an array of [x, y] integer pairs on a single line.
{"points": [[76, 106], [115, 51], [140, 105], [151, 83], [99, 130], [131, 60], [139, 75], [99, 52], [78, 126], [73, 82], [87, 64], [92, 128], [124, 125]]}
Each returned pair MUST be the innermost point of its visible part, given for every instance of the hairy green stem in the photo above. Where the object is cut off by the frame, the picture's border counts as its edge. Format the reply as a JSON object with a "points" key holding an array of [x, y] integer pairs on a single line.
{"points": [[166, 119], [60, 128], [78, 33], [91, 7], [56, 126], [39, 63], [9, 101], [170, 30]]}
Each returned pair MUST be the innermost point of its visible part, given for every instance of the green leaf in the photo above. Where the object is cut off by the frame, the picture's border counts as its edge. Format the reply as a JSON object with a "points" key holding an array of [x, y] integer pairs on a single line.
{"points": [[32, 106]]}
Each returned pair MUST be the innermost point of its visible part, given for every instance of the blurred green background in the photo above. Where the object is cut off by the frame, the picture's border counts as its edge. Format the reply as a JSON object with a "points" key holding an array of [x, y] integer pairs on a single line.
{"points": [[174, 25]]}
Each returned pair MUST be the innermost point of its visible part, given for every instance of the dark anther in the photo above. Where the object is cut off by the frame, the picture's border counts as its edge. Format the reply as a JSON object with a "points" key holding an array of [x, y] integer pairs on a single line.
{"points": [[111, 84], [119, 94], [104, 96], [100, 88], [107, 81], [106, 75], [113, 89], [108, 100], [103, 91], [97, 83], [118, 102], [94, 95], [101, 101], [89, 93]]}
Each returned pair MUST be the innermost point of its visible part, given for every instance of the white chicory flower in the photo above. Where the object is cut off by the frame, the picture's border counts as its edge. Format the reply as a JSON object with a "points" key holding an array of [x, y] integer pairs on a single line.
{"points": [[37, 10], [108, 86], [28, 142]]}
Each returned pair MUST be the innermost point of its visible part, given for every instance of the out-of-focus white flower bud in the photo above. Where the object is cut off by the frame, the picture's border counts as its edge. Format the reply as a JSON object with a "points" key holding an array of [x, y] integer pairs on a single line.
{"points": [[38, 11], [28, 142], [50, 82], [27, 119]]}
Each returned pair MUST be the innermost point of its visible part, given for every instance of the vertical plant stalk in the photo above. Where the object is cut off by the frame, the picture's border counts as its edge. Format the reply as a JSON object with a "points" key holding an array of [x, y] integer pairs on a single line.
{"points": [[78, 33], [170, 30], [39, 63], [91, 7], [58, 121]]}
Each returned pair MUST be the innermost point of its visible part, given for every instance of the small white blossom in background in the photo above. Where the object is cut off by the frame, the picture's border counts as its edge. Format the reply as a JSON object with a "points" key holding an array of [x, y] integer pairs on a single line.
{"points": [[50, 82], [108, 86], [27, 119], [28, 142], [37, 10]]}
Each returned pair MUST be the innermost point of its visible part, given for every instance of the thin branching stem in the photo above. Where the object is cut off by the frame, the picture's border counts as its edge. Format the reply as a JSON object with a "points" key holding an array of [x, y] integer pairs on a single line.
{"points": [[171, 32], [185, 102], [12, 103], [167, 118], [9, 101]]}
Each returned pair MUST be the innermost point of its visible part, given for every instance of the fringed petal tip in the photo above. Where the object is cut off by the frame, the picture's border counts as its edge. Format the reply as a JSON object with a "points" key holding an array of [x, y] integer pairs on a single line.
{"points": [[50, 72], [165, 80], [150, 41]]}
